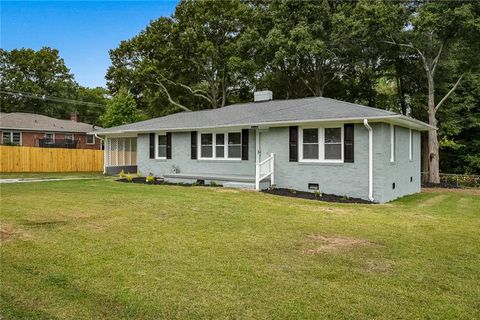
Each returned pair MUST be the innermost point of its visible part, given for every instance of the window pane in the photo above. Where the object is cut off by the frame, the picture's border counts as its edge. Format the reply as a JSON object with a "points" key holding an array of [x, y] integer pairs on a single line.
{"points": [[234, 151], [220, 139], [16, 137], [310, 135], [333, 135], [162, 140], [310, 151], [206, 152], [162, 151], [69, 137], [220, 151], [90, 138], [206, 138], [333, 151], [234, 138], [6, 137]]}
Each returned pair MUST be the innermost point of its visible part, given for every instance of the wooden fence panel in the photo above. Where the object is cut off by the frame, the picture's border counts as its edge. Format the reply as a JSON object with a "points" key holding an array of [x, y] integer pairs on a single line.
{"points": [[30, 159]]}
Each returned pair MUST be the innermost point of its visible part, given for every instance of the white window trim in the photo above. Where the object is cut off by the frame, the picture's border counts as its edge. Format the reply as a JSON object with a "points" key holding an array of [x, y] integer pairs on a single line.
{"points": [[410, 151], [156, 146], [321, 145], [11, 136], [392, 143], [90, 135], [214, 146]]}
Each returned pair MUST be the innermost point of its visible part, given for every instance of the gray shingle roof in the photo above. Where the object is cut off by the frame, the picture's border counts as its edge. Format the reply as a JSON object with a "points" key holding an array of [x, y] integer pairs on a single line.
{"points": [[258, 113], [31, 121]]}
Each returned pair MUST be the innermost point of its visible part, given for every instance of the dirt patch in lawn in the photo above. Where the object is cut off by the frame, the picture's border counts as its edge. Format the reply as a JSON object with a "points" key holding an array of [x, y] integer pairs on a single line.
{"points": [[471, 191], [321, 244], [8, 233]]}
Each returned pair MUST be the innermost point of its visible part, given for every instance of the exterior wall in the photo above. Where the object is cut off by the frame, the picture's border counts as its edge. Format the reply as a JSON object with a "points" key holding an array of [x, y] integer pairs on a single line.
{"points": [[181, 158], [402, 169], [349, 179], [30, 139]]}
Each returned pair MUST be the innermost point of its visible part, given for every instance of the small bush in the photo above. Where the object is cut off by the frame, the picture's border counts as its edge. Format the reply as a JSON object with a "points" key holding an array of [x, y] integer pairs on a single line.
{"points": [[213, 184], [122, 174], [139, 174], [150, 178], [293, 191], [317, 193], [129, 177]]}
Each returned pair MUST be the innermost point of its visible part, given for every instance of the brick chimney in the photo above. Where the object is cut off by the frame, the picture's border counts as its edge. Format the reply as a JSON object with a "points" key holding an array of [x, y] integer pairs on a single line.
{"points": [[74, 116]]}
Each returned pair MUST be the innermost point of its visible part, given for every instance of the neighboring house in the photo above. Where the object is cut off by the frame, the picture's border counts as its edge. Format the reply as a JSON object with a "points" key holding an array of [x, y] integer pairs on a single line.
{"points": [[305, 144], [35, 130]]}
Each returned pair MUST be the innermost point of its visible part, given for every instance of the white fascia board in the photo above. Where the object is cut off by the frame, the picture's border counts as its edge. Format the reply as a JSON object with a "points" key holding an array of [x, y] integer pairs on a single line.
{"points": [[398, 119]]}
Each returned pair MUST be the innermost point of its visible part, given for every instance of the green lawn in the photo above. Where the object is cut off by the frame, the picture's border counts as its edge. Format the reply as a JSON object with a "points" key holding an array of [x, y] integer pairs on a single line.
{"points": [[95, 249]]}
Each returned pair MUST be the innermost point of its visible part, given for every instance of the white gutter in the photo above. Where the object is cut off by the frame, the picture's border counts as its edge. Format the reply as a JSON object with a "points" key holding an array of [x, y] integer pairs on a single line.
{"points": [[370, 159]]}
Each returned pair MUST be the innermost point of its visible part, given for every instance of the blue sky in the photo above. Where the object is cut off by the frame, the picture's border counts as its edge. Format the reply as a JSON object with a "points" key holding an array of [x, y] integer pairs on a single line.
{"points": [[83, 31]]}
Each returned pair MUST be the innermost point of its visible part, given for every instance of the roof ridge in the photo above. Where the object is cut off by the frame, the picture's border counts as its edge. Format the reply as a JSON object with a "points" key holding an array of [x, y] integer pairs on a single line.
{"points": [[286, 108], [360, 105]]}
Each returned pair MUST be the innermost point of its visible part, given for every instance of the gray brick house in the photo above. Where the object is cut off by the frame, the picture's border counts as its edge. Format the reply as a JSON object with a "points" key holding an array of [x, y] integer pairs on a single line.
{"points": [[303, 144]]}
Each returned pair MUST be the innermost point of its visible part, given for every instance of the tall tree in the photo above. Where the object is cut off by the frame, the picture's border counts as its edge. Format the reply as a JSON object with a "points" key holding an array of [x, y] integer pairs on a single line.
{"points": [[439, 32], [193, 56], [121, 109], [40, 72]]}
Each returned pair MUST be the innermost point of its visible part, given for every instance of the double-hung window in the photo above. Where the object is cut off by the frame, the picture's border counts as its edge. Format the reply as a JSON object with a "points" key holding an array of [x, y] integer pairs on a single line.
{"points": [[161, 146], [225, 145], [321, 144], [90, 139], [49, 137], [220, 145], [11, 137], [68, 137], [234, 145]]}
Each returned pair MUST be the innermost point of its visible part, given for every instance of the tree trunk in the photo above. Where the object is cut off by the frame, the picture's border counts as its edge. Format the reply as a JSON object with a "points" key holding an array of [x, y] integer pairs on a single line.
{"points": [[433, 150], [424, 157]]}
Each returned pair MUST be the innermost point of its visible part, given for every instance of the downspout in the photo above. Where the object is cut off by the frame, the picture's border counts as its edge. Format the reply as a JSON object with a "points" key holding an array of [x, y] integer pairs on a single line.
{"points": [[370, 159], [104, 152]]}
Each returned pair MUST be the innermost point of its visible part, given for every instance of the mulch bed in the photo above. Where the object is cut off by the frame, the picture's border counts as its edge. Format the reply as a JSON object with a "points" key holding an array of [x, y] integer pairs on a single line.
{"points": [[312, 196], [141, 180], [279, 191]]}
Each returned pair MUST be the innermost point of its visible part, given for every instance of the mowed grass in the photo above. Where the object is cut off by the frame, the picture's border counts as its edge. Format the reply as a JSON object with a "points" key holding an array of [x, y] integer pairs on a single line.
{"points": [[92, 249]]}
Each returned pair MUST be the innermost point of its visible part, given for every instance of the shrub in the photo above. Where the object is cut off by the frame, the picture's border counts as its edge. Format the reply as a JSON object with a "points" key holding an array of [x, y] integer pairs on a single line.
{"points": [[317, 193], [122, 174], [129, 177], [213, 184], [150, 178], [139, 174]]}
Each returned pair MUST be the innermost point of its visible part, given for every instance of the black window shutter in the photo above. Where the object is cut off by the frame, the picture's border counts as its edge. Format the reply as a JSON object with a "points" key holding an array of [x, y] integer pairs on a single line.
{"points": [[348, 129], [244, 144], [152, 145], [169, 145], [293, 144], [193, 145]]}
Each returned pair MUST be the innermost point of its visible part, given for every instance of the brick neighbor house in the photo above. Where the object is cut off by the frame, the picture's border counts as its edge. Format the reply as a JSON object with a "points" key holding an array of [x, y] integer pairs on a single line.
{"points": [[35, 130]]}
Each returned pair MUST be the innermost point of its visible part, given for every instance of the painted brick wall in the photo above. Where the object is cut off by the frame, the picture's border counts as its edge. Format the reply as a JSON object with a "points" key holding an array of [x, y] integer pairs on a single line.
{"points": [[350, 179]]}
